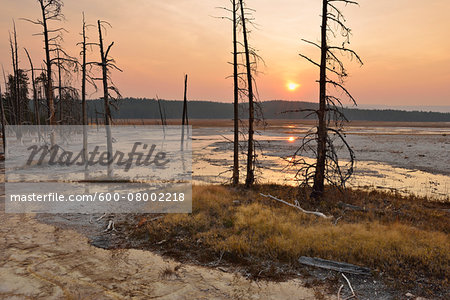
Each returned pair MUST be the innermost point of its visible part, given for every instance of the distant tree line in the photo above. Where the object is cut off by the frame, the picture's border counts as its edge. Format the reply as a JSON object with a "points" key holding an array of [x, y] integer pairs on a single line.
{"points": [[141, 108]]}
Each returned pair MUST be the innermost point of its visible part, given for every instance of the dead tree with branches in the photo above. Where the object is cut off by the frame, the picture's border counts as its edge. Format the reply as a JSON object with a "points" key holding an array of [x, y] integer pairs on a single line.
{"points": [[327, 139], [16, 112], [235, 96], [33, 84], [235, 20], [106, 63], [3, 121], [245, 61], [250, 178], [85, 78], [51, 11]]}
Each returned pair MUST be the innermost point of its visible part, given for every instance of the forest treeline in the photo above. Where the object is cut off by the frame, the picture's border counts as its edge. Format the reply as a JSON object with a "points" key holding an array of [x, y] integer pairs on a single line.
{"points": [[134, 108]]}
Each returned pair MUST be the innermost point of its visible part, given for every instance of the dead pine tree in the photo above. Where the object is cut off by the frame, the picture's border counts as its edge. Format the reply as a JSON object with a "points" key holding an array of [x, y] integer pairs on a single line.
{"points": [[65, 64], [16, 113], [184, 120], [250, 177], [85, 78], [3, 120], [235, 97], [235, 19], [245, 61], [106, 65], [37, 120], [84, 120], [51, 10], [329, 131], [16, 75]]}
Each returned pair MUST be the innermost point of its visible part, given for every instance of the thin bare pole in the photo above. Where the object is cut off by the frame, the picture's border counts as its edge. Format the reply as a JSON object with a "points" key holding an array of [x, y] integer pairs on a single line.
{"points": [[250, 179], [236, 99], [3, 121], [184, 118], [83, 96], [107, 111]]}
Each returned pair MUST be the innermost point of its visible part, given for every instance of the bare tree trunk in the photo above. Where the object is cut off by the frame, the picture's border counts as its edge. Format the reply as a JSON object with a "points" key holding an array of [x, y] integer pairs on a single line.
{"points": [[83, 95], [48, 63], [14, 102], [59, 87], [3, 122], [319, 176], [250, 179], [163, 123], [16, 68], [236, 100], [107, 110], [184, 118], [33, 84]]}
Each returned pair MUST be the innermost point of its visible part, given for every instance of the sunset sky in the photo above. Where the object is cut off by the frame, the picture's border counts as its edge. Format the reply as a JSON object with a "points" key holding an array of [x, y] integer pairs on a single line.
{"points": [[404, 45]]}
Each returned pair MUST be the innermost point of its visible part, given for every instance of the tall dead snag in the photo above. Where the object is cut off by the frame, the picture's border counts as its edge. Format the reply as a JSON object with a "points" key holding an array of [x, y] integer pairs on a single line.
{"points": [[106, 64], [83, 94], [3, 120], [16, 113], [51, 10], [244, 63], [85, 78], [329, 132], [33, 84], [184, 120], [237, 78], [250, 178], [236, 97]]}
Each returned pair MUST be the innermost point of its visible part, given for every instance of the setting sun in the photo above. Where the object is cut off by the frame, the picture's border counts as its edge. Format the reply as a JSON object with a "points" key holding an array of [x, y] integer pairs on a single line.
{"points": [[292, 86], [291, 139]]}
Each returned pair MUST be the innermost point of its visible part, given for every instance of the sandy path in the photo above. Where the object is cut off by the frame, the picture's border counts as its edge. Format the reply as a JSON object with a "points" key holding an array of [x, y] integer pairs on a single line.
{"points": [[39, 261]]}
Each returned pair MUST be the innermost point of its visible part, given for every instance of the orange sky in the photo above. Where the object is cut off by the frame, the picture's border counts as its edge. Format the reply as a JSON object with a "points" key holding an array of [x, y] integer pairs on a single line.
{"points": [[404, 45]]}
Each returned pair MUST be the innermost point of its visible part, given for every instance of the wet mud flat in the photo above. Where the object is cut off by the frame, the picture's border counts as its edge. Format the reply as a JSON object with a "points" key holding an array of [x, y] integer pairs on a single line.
{"points": [[409, 158], [41, 261]]}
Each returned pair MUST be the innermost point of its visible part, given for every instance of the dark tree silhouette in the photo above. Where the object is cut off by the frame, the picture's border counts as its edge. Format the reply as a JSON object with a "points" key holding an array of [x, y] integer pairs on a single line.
{"points": [[184, 120], [235, 96], [51, 11], [85, 78], [16, 108], [3, 120], [244, 64], [11, 94], [106, 65], [33, 84], [250, 178], [329, 131]]}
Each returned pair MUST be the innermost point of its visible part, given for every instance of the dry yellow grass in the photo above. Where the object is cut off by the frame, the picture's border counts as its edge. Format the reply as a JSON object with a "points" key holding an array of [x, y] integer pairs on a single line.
{"points": [[243, 224]]}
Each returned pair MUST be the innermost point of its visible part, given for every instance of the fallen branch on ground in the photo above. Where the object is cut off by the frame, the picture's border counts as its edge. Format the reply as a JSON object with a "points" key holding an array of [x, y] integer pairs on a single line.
{"points": [[110, 226], [297, 206], [351, 289]]}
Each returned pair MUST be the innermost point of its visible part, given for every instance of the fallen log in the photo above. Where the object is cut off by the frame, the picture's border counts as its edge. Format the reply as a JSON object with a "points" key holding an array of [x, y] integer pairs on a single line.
{"points": [[334, 265]]}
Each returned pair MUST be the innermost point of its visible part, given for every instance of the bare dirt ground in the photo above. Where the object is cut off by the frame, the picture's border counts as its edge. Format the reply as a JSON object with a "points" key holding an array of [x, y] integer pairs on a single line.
{"points": [[39, 261]]}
